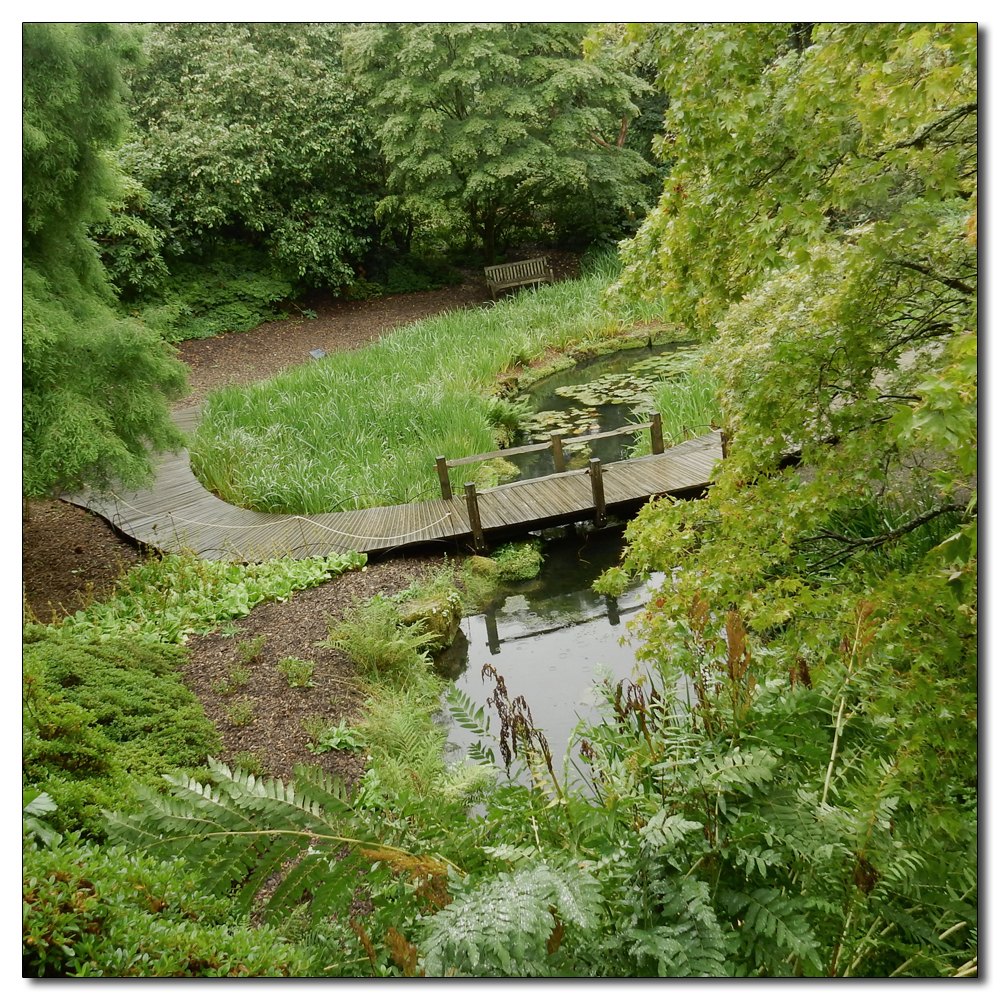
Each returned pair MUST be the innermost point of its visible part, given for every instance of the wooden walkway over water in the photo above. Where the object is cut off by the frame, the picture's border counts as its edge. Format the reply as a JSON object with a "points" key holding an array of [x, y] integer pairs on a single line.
{"points": [[176, 513]]}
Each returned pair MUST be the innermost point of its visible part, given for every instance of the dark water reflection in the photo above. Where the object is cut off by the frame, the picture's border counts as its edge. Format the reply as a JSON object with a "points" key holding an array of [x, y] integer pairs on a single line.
{"points": [[551, 639]]}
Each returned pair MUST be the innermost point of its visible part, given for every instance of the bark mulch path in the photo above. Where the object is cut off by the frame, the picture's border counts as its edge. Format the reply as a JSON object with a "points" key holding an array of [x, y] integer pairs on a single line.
{"points": [[70, 556]]}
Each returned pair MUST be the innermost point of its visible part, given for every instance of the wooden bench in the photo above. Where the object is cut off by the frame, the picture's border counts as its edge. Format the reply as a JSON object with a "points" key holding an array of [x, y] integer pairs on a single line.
{"points": [[519, 272]]}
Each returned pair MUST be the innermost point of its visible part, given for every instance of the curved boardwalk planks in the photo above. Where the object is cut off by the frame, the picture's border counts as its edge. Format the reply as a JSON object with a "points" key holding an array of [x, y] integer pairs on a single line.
{"points": [[176, 513]]}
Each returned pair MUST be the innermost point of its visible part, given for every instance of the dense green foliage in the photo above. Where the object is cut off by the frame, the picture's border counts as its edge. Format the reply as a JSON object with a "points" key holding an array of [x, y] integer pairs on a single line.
{"points": [[788, 786], [95, 386], [249, 131], [167, 599], [498, 124], [363, 428], [93, 912], [100, 712]]}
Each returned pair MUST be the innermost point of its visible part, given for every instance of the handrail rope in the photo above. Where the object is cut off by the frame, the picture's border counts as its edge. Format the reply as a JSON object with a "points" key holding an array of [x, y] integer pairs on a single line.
{"points": [[291, 517]]}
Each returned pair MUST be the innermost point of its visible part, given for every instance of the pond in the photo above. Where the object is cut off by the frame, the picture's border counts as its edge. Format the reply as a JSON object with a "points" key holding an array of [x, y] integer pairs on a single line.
{"points": [[551, 639], [598, 395]]}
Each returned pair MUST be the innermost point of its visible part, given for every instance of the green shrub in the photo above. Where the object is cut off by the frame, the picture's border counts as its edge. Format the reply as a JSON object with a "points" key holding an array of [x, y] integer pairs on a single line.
{"points": [[237, 676], [101, 912], [297, 672], [373, 636], [98, 712], [327, 736], [518, 560], [236, 288], [418, 274], [166, 599], [248, 650], [242, 711], [251, 761]]}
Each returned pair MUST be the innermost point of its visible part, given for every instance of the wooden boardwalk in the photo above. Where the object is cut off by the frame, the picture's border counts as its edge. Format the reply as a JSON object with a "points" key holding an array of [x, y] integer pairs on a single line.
{"points": [[176, 513]]}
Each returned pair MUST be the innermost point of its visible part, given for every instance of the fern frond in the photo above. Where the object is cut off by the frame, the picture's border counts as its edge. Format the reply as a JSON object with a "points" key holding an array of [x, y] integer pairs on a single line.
{"points": [[502, 926], [467, 713], [244, 829], [665, 830], [686, 939], [774, 926]]}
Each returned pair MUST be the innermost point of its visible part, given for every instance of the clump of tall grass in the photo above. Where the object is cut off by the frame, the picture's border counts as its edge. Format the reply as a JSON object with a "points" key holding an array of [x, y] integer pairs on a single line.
{"points": [[362, 428], [687, 406]]}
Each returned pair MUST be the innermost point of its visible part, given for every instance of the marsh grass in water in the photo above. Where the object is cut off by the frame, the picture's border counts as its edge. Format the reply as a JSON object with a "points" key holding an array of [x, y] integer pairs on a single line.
{"points": [[362, 428], [687, 406]]}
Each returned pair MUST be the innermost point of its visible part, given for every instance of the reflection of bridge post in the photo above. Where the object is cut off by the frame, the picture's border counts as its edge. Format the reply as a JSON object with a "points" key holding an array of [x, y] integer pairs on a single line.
{"points": [[613, 614], [492, 636]]}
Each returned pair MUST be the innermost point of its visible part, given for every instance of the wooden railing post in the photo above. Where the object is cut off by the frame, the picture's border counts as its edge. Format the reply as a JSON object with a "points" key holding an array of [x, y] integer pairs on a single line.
{"points": [[725, 443], [492, 635], [557, 453], [597, 488], [442, 470], [656, 434], [472, 502]]}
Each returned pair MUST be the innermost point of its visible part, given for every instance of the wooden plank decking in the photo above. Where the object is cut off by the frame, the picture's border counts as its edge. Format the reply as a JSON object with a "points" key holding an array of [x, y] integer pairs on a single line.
{"points": [[176, 513]]}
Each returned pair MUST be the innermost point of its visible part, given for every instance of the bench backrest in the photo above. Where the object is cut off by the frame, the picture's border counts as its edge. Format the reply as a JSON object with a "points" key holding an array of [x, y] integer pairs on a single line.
{"points": [[536, 267]]}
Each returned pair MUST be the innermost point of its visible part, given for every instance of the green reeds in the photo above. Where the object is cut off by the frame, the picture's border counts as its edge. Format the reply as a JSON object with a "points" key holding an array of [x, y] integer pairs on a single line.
{"points": [[362, 428], [687, 408]]}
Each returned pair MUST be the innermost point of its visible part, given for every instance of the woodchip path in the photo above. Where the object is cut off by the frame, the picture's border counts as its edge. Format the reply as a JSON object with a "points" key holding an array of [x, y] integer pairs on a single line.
{"points": [[176, 513]]}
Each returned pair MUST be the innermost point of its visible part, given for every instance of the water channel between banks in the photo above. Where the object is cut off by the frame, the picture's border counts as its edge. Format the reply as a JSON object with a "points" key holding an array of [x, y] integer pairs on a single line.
{"points": [[553, 639]]}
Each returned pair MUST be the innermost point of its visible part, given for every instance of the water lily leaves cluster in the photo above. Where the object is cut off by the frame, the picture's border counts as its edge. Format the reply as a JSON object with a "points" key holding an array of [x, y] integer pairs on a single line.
{"points": [[632, 387]]}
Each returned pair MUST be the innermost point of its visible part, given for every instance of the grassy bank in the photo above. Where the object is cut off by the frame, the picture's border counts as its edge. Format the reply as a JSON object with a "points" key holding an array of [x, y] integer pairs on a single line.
{"points": [[363, 428]]}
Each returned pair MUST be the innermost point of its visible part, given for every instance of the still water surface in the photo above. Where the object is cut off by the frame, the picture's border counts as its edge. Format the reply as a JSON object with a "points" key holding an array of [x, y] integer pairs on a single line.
{"points": [[551, 639]]}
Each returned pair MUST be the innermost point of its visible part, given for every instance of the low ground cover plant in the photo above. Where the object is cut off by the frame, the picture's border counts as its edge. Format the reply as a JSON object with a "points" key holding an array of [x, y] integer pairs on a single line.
{"points": [[297, 672], [177, 595], [100, 712], [108, 912]]}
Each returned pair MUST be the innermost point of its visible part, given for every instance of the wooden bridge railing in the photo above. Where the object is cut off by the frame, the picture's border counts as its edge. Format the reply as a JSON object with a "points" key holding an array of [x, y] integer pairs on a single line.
{"points": [[557, 443]]}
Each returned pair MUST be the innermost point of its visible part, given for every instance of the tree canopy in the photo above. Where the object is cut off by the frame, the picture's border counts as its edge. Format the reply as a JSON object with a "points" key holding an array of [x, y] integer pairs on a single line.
{"points": [[818, 225], [95, 385], [498, 122], [251, 131]]}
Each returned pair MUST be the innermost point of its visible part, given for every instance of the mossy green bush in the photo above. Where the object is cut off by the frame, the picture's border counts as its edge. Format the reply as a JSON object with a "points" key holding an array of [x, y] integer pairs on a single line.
{"points": [[518, 560], [98, 712], [234, 289], [96, 912], [439, 613]]}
